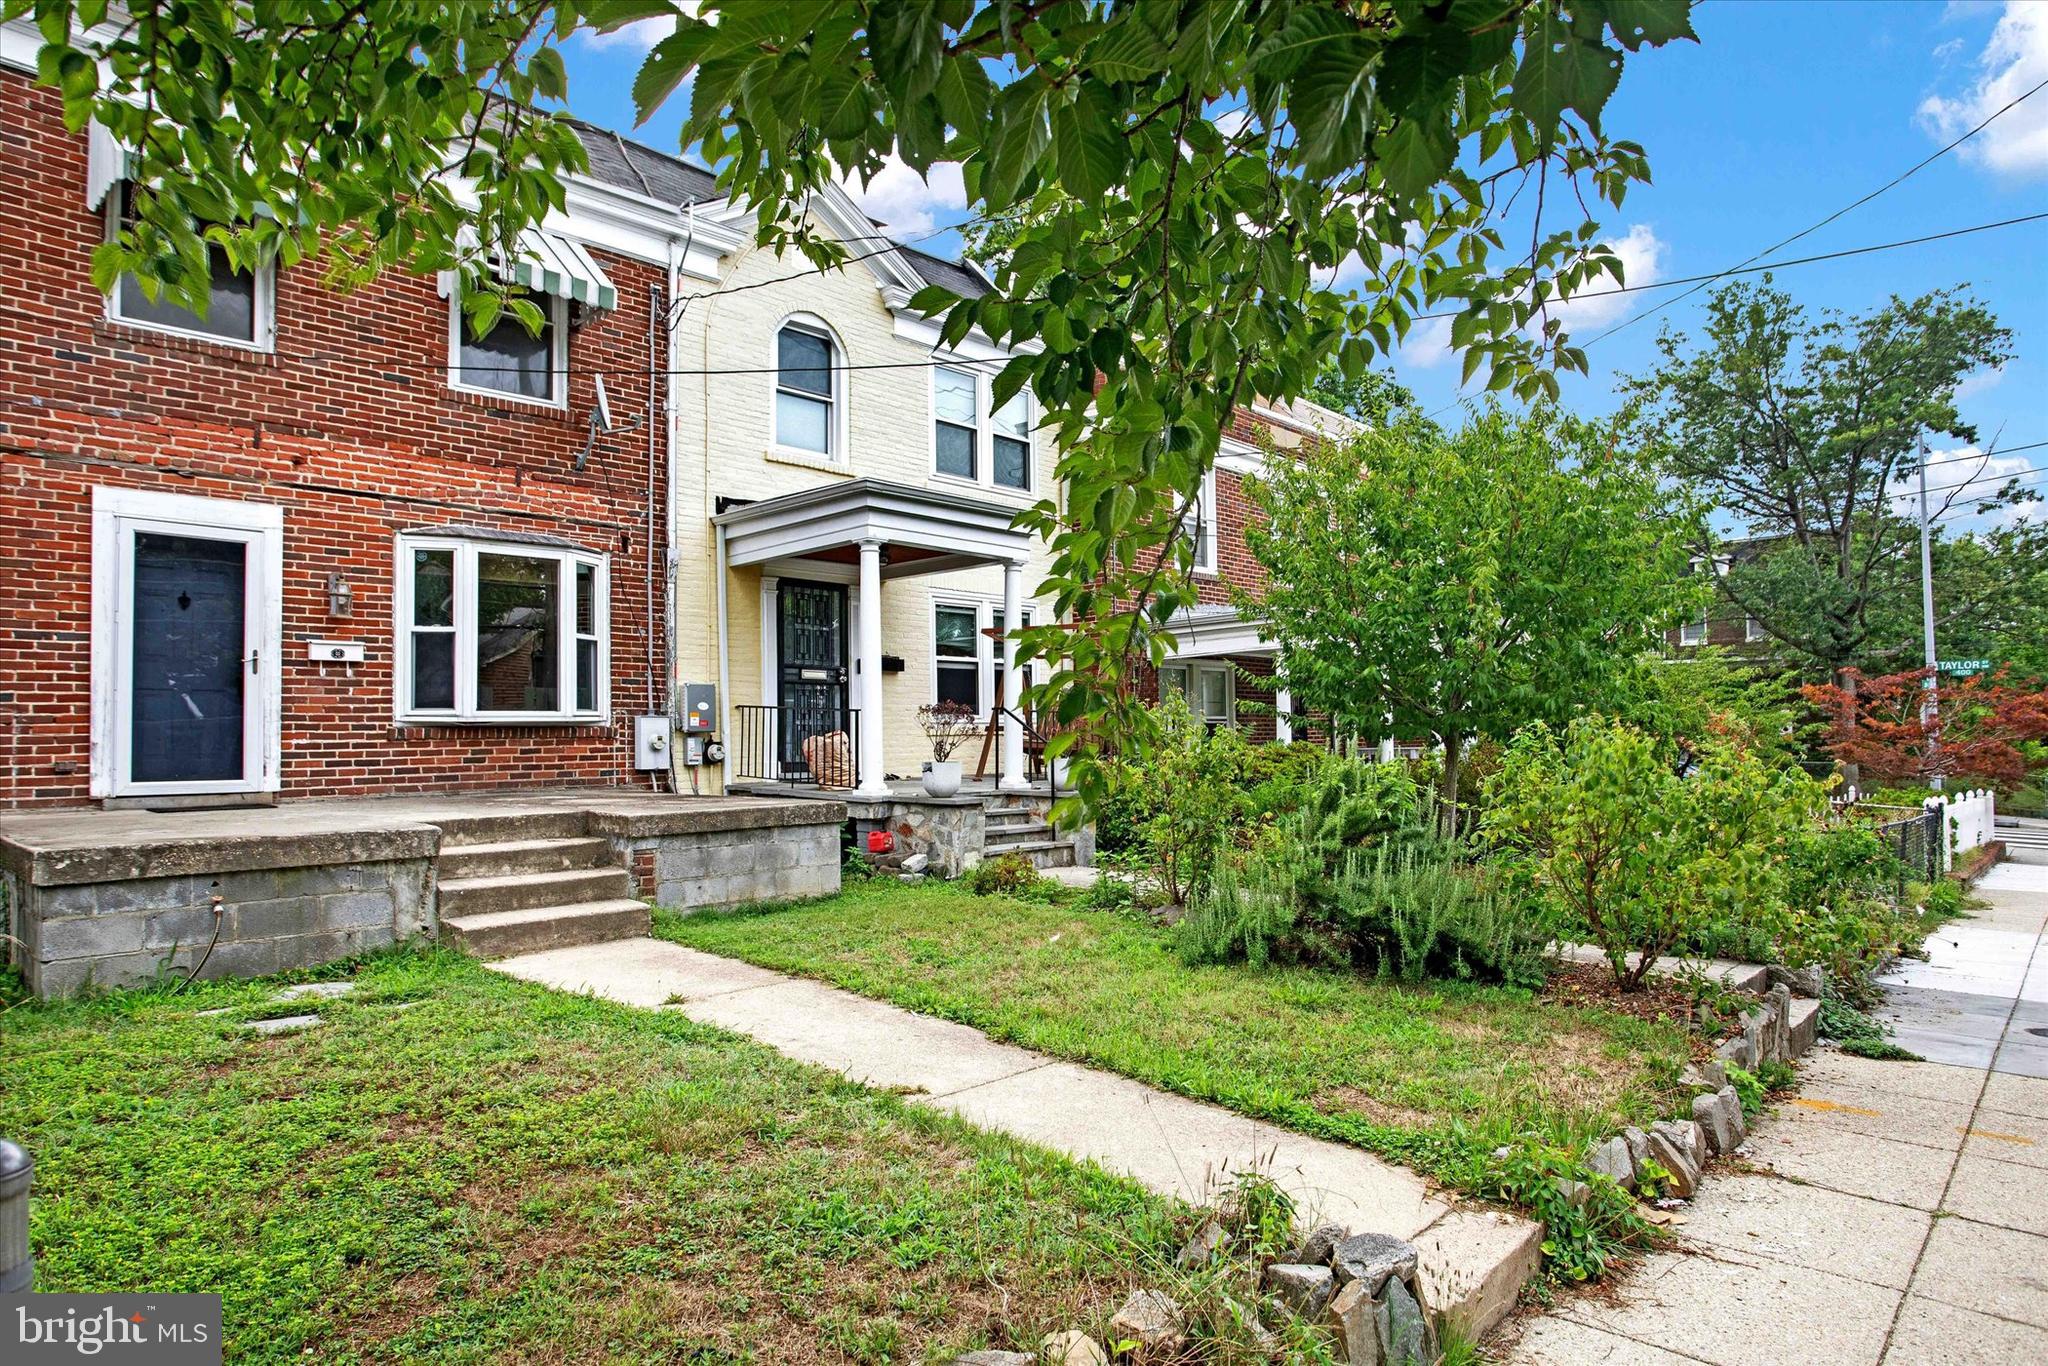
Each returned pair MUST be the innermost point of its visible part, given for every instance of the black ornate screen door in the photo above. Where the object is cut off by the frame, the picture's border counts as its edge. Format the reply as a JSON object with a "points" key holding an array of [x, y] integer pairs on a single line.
{"points": [[811, 636]]}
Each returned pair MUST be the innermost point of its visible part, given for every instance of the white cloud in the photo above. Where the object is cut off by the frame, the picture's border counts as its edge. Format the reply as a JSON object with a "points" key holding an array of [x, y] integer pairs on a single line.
{"points": [[2014, 61], [905, 202], [1979, 382], [1428, 345], [1642, 262], [639, 36], [1979, 476]]}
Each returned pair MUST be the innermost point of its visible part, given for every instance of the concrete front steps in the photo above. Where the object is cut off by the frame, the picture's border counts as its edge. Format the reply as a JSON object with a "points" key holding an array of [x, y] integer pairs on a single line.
{"points": [[1018, 826], [524, 883]]}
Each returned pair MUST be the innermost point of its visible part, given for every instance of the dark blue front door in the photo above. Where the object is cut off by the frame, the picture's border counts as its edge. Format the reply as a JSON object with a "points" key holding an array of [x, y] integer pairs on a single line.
{"points": [[190, 666]]}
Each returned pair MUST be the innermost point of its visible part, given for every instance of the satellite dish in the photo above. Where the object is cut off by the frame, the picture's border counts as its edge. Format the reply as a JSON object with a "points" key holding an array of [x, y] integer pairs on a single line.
{"points": [[602, 418]]}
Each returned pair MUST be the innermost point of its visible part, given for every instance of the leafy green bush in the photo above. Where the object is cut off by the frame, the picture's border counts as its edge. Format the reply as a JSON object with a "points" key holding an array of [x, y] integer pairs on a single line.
{"points": [[1635, 856], [1945, 898], [1109, 893], [1749, 1089], [1239, 915], [1009, 875], [1420, 913]]}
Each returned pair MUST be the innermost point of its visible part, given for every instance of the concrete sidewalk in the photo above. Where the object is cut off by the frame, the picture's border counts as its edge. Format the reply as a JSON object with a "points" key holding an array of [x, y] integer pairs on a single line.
{"points": [[1473, 1261], [1898, 1212]]}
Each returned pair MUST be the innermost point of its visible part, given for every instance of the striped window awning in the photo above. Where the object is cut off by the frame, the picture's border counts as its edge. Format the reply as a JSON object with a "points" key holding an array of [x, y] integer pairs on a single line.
{"points": [[107, 164], [549, 263]]}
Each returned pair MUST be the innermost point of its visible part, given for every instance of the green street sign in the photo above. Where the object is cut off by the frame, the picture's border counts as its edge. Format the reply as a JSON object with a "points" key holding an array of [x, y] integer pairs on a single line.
{"points": [[1962, 666]]}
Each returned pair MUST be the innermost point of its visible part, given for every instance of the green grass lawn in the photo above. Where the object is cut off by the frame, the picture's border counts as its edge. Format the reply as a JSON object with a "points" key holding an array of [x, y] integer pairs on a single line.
{"points": [[1434, 1075], [500, 1172]]}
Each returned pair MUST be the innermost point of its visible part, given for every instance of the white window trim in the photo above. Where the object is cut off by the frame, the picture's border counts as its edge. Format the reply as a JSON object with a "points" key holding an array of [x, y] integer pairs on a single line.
{"points": [[1192, 669], [1753, 631], [465, 711], [264, 339], [837, 456], [558, 356], [985, 432], [1204, 513], [1693, 633], [987, 652]]}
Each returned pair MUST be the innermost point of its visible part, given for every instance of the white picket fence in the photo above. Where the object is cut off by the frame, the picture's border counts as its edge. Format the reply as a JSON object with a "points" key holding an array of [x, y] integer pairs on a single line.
{"points": [[1967, 820]]}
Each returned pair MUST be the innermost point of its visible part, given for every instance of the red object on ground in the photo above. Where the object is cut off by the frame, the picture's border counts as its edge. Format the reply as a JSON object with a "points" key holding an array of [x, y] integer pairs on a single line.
{"points": [[880, 841]]}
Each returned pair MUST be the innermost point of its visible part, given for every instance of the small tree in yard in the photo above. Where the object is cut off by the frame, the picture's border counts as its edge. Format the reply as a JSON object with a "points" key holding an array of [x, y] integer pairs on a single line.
{"points": [[1191, 770], [1634, 856], [1976, 734], [1461, 587]]}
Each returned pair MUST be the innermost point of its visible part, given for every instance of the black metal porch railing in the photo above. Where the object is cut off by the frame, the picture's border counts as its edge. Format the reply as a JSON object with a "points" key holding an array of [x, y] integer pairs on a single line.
{"points": [[815, 746]]}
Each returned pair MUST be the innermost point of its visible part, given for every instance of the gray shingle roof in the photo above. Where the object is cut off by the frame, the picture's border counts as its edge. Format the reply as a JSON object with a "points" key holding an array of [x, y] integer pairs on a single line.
{"points": [[962, 279], [639, 169]]}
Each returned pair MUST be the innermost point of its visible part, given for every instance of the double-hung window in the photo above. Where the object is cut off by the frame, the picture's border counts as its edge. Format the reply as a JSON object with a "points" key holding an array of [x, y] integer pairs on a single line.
{"points": [[492, 631], [1012, 423], [967, 660], [509, 360], [1210, 688], [238, 309], [956, 433], [956, 649], [969, 441], [1198, 525], [805, 419]]}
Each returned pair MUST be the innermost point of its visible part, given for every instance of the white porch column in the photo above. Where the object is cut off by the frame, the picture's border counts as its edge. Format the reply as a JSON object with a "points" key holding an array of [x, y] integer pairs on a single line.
{"points": [[873, 780], [1283, 716], [1014, 777]]}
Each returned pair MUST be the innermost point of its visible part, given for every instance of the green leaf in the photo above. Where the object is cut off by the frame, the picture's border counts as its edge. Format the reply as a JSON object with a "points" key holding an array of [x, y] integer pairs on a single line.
{"points": [[668, 63], [1088, 144], [844, 108], [1637, 23], [1333, 93], [1422, 67], [1128, 51], [1560, 71], [1415, 155]]}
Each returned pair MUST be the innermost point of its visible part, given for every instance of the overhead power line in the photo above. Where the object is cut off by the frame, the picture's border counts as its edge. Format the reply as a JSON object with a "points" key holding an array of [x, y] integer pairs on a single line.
{"points": [[1891, 184], [1774, 265]]}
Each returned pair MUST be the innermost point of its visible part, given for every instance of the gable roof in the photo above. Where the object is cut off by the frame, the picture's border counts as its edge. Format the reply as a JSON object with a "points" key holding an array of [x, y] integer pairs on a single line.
{"points": [[957, 276], [638, 169]]}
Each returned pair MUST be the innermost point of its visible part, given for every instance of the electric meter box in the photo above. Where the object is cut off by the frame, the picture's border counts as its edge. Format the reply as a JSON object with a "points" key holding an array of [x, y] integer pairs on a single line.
{"points": [[651, 736], [700, 708]]}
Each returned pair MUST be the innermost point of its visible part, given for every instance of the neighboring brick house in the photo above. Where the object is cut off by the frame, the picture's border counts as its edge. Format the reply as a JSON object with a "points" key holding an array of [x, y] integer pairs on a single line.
{"points": [[1722, 624], [312, 544], [1222, 660]]}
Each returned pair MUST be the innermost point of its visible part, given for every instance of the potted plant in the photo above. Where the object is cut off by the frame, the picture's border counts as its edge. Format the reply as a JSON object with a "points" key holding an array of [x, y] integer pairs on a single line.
{"points": [[948, 725]]}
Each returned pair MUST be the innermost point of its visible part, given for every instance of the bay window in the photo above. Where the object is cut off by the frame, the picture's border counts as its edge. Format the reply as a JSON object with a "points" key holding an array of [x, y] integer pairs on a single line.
{"points": [[491, 631]]}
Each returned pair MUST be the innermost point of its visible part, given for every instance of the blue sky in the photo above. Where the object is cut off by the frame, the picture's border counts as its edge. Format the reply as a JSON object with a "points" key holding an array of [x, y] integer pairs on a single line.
{"points": [[1785, 111]]}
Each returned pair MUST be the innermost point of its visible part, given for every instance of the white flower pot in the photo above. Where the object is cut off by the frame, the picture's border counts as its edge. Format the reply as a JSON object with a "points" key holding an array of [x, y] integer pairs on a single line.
{"points": [[942, 779]]}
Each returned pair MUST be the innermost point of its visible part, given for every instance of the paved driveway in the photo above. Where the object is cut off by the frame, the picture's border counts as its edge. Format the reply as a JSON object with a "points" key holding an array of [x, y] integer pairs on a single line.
{"points": [[1897, 1213]]}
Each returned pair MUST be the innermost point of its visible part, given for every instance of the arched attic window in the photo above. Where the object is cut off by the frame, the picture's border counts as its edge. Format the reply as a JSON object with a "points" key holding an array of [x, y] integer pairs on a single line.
{"points": [[809, 394]]}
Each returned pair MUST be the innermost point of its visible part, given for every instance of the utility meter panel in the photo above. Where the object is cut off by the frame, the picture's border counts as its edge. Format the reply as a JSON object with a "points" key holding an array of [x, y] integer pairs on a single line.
{"points": [[651, 738], [700, 708]]}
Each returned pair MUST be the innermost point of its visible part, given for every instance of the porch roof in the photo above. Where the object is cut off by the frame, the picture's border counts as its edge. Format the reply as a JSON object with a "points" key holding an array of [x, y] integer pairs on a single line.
{"points": [[1210, 630], [945, 530]]}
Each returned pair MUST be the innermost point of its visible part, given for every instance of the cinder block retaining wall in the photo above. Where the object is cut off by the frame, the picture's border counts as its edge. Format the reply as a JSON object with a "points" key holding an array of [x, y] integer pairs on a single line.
{"points": [[271, 920], [689, 869], [117, 913], [118, 916]]}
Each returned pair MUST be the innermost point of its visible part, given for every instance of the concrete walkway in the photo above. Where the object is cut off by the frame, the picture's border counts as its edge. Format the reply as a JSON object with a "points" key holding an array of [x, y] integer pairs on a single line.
{"points": [[1473, 1261], [1898, 1212]]}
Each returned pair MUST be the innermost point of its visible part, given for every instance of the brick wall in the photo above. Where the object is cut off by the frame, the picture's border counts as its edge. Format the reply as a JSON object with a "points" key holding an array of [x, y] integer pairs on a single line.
{"points": [[350, 427]]}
